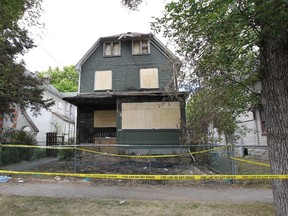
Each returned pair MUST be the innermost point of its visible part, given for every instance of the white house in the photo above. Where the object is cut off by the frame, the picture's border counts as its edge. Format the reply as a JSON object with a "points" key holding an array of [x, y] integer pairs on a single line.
{"points": [[255, 123], [60, 118]]}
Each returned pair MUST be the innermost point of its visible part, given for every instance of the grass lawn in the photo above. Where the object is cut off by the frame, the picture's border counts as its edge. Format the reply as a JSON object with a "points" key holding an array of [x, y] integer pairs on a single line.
{"points": [[18, 205]]}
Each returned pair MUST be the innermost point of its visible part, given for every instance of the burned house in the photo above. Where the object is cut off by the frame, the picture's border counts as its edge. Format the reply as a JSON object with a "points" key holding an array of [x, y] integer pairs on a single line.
{"points": [[128, 92]]}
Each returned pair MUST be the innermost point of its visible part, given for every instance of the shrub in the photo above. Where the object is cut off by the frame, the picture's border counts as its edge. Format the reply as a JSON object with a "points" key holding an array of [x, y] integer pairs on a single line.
{"points": [[10, 155]]}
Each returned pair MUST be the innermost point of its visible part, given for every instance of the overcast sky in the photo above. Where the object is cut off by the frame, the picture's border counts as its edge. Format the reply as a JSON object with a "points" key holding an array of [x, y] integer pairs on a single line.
{"points": [[73, 26]]}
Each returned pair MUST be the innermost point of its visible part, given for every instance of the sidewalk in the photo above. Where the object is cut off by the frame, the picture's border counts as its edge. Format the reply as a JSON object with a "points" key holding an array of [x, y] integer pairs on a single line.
{"points": [[149, 192]]}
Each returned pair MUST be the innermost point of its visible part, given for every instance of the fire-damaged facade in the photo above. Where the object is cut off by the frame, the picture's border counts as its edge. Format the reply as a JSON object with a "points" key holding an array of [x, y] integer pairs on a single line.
{"points": [[128, 92]]}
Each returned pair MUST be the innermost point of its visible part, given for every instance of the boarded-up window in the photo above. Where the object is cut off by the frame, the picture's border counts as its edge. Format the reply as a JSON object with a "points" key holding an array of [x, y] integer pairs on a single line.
{"points": [[149, 78], [103, 80], [151, 115], [104, 118], [140, 47], [112, 48]]}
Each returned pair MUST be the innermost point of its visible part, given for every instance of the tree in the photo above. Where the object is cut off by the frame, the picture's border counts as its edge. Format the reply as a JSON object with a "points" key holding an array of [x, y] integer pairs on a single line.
{"points": [[213, 34], [245, 40], [18, 86], [65, 80]]}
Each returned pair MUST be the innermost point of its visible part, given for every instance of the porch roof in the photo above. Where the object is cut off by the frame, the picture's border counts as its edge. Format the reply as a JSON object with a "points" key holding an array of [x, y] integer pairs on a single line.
{"points": [[110, 97]]}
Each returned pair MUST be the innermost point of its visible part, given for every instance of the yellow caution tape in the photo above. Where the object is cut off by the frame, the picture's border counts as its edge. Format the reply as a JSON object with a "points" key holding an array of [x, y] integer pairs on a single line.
{"points": [[113, 155], [151, 177], [35, 146], [251, 162], [152, 156], [129, 156]]}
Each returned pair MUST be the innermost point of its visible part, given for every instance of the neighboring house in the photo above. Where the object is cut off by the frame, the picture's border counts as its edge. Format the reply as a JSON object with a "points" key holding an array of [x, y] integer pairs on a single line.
{"points": [[254, 126], [128, 92], [60, 118], [255, 123]]}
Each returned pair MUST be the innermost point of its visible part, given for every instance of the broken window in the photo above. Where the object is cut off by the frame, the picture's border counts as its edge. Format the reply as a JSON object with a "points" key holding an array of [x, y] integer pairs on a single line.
{"points": [[140, 47], [112, 48]]}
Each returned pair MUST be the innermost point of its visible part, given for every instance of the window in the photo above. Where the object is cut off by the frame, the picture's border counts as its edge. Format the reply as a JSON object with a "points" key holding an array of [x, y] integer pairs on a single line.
{"points": [[112, 48], [103, 80], [263, 122], [105, 118], [140, 47], [151, 115], [59, 105], [149, 78]]}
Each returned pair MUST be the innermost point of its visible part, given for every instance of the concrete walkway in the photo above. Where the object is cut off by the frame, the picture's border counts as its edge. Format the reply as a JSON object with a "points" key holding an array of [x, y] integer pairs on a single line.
{"points": [[149, 192], [81, 189], [29, 164]]}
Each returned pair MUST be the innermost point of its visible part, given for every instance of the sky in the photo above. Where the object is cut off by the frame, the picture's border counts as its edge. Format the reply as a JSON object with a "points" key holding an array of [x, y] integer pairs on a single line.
{"points": [[73, 26]]}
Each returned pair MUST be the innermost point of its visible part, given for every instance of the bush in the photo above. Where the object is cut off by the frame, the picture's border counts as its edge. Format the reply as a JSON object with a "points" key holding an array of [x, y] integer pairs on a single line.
{"points": [[10, 155], [68, 154]]}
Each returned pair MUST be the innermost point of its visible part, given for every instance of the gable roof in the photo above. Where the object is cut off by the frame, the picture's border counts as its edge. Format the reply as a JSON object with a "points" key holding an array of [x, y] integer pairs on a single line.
{"points": [[29, 120], [130, 36]]}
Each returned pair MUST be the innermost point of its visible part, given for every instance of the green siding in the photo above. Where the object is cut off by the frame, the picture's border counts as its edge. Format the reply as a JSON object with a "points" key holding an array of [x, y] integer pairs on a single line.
{"points": [[142, 137], [125, 68]]}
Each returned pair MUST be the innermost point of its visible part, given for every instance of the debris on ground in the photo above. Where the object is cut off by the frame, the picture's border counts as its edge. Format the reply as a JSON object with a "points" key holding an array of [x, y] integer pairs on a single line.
{"points": [[4, 179]]}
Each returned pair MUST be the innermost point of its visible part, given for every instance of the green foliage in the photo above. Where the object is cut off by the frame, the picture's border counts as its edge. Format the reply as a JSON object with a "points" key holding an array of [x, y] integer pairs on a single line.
{"points": [[17, 86], [219, 41], [17, 136], [68, 154], [12, 155], [65, 80]]}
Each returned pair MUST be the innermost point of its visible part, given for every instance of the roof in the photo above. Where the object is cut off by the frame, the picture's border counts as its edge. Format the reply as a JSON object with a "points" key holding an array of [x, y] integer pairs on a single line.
{"points": [[130, 36], [53, 90], [29, 120], [63, 117], [109, 96]]}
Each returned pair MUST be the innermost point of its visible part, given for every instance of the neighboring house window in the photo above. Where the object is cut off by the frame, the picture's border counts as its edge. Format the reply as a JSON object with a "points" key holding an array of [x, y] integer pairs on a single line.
{"points": [[112, 48], [263, 122], [140, 47], [103, 80], [59, 105], [149, 78]]}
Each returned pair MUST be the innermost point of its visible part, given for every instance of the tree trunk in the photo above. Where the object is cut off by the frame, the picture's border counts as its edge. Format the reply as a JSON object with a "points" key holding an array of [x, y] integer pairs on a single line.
{"points": [[274, 77]]}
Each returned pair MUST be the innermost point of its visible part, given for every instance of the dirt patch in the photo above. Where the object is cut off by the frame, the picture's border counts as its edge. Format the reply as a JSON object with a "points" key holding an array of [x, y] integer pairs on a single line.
{"points": [[102, 164]]}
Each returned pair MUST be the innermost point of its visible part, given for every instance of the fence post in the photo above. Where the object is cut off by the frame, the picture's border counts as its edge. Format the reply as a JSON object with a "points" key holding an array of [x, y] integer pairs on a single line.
{"points": [[231, 153], [0, 155], [75, 157], [150, 164]]}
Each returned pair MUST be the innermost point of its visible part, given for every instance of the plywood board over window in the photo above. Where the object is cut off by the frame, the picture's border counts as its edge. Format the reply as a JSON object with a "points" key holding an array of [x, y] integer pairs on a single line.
{"points": [[151, 115], [105, 118], [149, 78], [103, 80]]}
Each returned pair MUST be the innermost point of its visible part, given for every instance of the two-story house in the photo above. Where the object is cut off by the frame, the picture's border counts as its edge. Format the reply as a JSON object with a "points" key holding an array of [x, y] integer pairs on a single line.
{"points": [[59, 118], [128, 92]]}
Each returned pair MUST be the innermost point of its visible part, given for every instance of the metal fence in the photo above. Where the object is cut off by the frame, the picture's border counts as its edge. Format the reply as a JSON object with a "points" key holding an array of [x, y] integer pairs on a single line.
{"points": [[142, 159]]}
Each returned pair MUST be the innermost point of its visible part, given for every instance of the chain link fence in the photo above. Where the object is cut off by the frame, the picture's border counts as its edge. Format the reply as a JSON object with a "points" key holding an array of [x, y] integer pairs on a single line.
{"points": [[144, 159]]}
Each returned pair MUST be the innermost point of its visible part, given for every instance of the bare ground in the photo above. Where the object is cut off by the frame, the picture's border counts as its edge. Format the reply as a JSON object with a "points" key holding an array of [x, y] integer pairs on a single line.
{"points": [[45, 186]]}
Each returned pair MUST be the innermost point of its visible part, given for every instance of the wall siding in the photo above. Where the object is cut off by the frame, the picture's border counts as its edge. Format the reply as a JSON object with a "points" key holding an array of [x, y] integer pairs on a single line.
{"points": [[125, 68], [149, 136]]}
